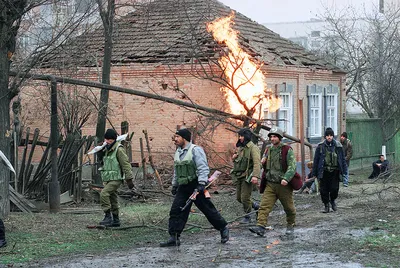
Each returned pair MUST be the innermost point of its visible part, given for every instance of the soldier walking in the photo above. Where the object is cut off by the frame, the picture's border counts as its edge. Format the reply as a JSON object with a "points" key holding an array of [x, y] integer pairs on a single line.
{"points": [[279, 168], [329, 163], [246, 171], [115, 169], [190, 173]]}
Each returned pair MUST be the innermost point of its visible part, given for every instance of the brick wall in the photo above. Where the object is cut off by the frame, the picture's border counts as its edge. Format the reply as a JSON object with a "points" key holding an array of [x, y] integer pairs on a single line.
{"points": [[161, 119]]}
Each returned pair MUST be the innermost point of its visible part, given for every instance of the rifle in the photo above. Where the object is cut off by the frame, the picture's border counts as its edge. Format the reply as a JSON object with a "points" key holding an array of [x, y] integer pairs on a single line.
{"points": [[193, 196]]}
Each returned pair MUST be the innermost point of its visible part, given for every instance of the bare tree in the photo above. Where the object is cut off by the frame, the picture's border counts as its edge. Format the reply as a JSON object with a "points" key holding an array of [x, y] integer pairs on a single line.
{"points": [[107, 14], [368, 47], [15, 17]]}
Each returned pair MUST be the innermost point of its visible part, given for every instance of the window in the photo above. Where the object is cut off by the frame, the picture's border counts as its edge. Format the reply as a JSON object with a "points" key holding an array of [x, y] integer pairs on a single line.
{"points": [[302, 41], [285, 112], [315, 33], [331, 111], [315, 115], [284, 91], [82, 6], [24, 42], [315, 44]]}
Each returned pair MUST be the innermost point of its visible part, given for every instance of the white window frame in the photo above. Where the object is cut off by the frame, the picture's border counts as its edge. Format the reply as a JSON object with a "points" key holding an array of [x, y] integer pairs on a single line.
{"points": [[332, 112], [287, 107], [315, 115]]}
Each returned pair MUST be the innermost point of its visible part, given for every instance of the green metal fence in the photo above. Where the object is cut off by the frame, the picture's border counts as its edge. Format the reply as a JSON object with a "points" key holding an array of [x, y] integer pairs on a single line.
{"points": [[366, 137]]}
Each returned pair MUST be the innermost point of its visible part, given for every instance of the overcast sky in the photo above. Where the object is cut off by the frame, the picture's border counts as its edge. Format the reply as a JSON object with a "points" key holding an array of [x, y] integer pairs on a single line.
{"points": [[264, 11]]}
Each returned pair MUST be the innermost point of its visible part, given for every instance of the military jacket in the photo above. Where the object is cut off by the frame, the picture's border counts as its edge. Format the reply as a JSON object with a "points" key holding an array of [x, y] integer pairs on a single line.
{"points": [[248, 162]]}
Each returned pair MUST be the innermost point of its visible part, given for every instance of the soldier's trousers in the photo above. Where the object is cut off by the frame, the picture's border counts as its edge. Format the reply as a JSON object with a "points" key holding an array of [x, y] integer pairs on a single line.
{"points": [[109, 196], [329, 186], [273, 192], [243, 193], [178, 218]]}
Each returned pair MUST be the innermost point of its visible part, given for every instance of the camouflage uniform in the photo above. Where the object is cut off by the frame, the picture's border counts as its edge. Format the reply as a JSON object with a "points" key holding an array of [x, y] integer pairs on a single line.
{"points": [[274, 189], [245, 166], [113, 176]]}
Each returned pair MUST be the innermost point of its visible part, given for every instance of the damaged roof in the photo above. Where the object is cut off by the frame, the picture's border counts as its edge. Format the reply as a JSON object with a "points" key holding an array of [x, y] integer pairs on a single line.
{"points": [[174, 32]]}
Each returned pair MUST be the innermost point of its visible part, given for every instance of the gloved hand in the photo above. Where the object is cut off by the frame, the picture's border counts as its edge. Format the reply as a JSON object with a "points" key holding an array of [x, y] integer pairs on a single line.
{"points": [[174, 190], [130, 183], [201, 187]]}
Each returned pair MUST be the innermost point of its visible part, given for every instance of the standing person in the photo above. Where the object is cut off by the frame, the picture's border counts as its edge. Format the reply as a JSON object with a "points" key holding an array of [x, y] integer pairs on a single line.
{"points": [[378, 167], [190, 173], [246, 171], [115, 169], [329, 163], [279, 168], [3, 241], [348, 153]]}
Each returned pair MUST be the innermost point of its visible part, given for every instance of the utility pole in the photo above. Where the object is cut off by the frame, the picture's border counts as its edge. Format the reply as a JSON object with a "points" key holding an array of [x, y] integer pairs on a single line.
{"points": [[381, 6], [54, 184]]}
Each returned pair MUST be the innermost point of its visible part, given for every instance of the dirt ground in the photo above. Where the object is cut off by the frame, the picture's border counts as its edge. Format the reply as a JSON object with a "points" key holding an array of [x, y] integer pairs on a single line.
{"points": [[335, 239]]}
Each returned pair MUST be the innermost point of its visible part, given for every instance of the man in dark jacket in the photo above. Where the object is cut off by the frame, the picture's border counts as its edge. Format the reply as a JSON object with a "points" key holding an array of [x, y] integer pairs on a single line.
{"points": [[329, 163], [378, 167], [190, 173], [348, 153]]}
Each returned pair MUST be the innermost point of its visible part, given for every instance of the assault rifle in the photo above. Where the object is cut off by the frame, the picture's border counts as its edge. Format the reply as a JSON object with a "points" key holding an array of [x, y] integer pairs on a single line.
{"points": [[193, 196]]}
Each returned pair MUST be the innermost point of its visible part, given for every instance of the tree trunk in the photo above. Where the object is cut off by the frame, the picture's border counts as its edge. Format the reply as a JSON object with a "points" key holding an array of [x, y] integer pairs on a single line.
{"points": [[5, 133], [107, 17]]}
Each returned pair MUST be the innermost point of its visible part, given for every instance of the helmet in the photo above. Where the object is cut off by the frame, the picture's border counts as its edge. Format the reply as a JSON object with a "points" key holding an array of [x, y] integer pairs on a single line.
{"points": [[275, 131]]}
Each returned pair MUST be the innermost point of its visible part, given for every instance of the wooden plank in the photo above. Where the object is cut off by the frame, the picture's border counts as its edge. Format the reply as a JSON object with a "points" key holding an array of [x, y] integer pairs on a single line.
{"points": [[22, 200], [22, 169], [17, 201], [143, 162], [151, 160], [28, 170]]}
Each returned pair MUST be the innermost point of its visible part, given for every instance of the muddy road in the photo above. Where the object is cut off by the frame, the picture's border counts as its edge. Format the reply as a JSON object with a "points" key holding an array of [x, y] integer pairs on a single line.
{"points": [[335, 239]]}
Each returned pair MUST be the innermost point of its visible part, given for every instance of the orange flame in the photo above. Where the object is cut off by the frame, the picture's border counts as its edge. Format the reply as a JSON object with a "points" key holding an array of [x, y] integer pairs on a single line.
{"points": [[247, 89]]}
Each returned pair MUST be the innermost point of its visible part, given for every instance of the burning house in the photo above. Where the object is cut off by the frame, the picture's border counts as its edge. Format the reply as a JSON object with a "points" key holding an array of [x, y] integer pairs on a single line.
{"points": [[202, 52]]}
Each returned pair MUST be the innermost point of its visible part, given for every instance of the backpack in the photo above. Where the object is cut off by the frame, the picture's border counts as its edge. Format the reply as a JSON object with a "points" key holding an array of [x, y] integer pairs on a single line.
{"points": [[296, 182]]}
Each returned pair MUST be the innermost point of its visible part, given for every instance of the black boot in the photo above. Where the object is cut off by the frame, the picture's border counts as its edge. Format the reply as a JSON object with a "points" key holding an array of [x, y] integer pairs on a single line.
{"points": [[334, 206], [255, 205], [3, 241], [259, 230], [107, 221], [301, 189], [224, 235], [289, 229], [245, 220], [173, 241], [115, 221], [326, 210]]}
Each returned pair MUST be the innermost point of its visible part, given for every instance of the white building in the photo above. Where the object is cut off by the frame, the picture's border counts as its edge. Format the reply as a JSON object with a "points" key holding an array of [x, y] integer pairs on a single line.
{"points": [[305, 33], [311, 35]]}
